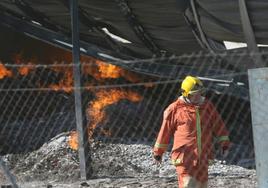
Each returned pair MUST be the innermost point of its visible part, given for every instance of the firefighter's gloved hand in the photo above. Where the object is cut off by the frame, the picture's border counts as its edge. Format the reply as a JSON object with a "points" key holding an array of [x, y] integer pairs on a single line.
{"points": [[158, 159], [224, 151]]}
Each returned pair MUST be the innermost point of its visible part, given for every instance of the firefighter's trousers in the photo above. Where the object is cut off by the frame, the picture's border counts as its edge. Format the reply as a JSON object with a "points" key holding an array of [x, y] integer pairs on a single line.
{"points": [[192, 176]]}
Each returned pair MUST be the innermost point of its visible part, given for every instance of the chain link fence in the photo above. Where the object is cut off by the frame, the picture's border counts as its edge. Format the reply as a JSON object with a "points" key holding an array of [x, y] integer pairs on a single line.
{"points": [[123, 109]]}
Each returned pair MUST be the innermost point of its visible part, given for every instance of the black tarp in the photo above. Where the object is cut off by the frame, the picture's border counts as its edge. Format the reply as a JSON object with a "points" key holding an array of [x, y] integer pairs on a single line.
{"points": [[152, 27], [220, 19], [161, 20]]}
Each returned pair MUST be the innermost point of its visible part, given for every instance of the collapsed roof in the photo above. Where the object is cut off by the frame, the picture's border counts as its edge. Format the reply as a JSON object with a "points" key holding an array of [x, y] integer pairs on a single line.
{"points": [[121, 31]]}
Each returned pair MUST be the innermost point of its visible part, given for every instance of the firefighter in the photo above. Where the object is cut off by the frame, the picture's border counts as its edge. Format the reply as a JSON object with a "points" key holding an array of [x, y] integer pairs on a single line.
{"points": [[192, 121]]}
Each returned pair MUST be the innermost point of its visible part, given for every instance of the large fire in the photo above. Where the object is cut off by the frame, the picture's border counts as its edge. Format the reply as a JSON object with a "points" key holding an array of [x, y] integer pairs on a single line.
{"points": [[96, 110], [97, 69], [104, 98]]}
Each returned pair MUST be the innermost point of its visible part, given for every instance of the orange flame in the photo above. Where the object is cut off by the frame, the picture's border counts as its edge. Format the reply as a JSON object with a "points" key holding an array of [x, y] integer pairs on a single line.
{"points": [[108, 70], [73, 140], [104, 71], [25, 70], [100, 71], [96, 110], [103, 99], [4, 72]]}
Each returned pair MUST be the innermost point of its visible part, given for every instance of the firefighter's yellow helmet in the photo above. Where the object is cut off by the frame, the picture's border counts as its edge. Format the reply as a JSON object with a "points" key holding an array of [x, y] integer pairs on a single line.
{"points": [[191, 85]]}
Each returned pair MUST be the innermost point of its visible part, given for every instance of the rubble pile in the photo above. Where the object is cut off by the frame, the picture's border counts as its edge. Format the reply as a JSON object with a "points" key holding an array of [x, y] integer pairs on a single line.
{"points": [[113, 165]]}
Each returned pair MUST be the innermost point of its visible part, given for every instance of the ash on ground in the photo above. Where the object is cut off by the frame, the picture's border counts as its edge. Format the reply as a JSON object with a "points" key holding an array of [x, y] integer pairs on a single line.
{"points": [[55, 164]]}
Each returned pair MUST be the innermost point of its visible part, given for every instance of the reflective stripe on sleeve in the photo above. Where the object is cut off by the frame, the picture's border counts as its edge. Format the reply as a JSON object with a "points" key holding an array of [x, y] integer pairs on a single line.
{"points": [[176, 162], [223, 138], [158, 145]]}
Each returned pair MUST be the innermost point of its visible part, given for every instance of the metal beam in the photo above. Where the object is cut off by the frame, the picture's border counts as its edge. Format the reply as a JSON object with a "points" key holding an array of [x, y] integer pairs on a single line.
{"points": [[89, 23], [93, 25], [84, 151], [56, 39], [199, 28], [249, 35], [35, 15], [62, 41], [46, 35], [59, 40], [139, 29]]}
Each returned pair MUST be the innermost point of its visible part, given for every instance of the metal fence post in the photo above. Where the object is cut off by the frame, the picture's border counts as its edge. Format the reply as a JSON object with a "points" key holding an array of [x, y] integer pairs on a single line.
{"points": [[258, 85], [11, 178], [84, 151]]}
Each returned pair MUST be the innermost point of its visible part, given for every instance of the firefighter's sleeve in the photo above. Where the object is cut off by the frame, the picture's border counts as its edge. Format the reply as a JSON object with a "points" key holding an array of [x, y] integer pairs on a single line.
{"points": [[219, 128], [164, 134]]}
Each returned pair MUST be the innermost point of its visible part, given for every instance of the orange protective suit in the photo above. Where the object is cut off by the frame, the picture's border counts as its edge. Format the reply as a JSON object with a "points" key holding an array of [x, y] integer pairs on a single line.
{"points": [[192, 128]]}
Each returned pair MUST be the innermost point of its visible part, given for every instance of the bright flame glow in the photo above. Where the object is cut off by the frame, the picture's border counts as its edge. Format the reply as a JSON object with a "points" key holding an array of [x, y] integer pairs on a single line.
{"points": [[100, 70], [4, 72], [73, 140], [96, 109]]}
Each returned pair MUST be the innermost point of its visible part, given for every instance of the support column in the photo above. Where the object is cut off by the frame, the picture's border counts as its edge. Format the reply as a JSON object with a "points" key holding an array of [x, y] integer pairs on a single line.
{"points": [[258, 85], [249, 35], [84, 151]]}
